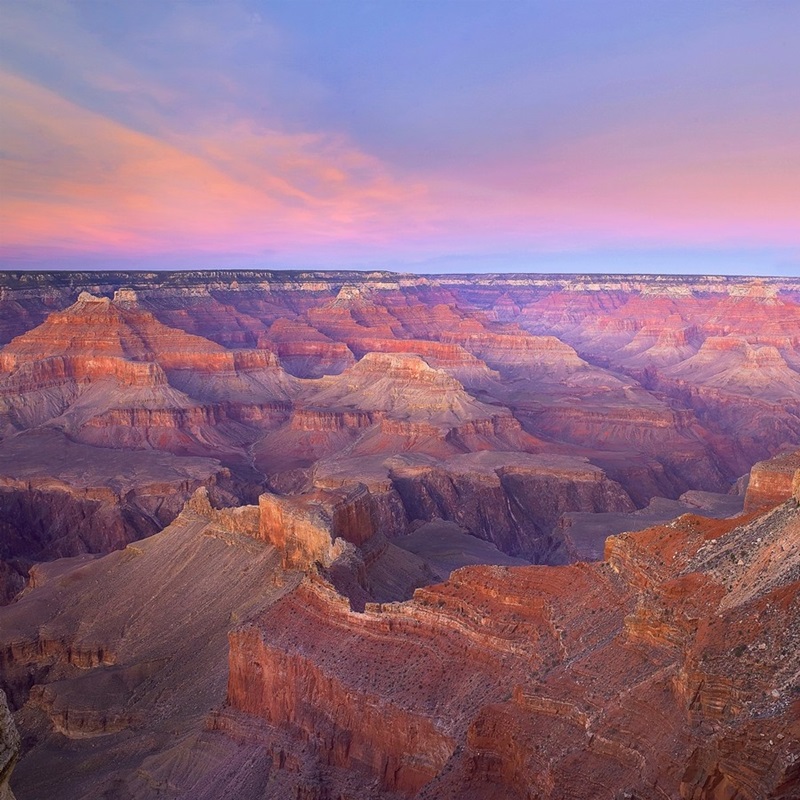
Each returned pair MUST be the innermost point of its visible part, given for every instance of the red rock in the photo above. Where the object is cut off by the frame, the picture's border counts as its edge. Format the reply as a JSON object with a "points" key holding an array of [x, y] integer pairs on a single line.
{"points": [[651, 639], [347, 726], [772, 482], [482, 407], [305, 528], [305, 351]]}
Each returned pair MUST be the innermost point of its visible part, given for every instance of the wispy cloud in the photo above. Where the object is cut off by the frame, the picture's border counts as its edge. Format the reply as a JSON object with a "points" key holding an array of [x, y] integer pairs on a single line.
{"points": [[77, 179], [169, 130]]}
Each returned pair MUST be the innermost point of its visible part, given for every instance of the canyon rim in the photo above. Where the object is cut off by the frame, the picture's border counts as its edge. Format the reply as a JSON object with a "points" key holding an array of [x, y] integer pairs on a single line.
{"points": [[376, 535]]}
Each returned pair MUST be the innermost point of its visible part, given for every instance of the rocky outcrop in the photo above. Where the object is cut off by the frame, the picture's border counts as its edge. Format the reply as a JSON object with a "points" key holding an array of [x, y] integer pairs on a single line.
{"points": [[448, 357], [47, 371], [673, 439], [773, 481], [88, 500], [312, 528], [9, 748], [586, 533], [48, 523]]}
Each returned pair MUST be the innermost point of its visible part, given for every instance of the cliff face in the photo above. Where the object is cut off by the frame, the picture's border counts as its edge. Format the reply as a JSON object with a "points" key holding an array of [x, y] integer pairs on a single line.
{"points": [[368, 627], [513, 502], [347, 726], [59, 498], [305, 528], [9, 748], [772, 482], [551, 695], [305, 351]]}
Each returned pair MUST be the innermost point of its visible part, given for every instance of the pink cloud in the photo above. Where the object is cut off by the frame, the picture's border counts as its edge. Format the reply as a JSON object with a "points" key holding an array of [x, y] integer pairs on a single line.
{"points": [[660, 181], [75, 179]]}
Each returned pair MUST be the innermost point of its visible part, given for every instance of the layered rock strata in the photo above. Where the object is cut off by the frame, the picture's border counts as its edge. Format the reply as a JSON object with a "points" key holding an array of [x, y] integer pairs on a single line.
{"points": [[772, 482], [9, 748], [502, 681], [581, 683], [406, 436]]}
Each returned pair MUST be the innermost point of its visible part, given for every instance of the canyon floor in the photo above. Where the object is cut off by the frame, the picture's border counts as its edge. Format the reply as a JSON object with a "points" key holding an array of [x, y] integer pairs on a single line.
{"points": [[366, 535]]}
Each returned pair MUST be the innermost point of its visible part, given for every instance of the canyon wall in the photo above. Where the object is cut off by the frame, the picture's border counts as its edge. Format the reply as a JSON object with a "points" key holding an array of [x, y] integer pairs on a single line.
{"points": [[9, 748], [307, 535], [544, 695]]}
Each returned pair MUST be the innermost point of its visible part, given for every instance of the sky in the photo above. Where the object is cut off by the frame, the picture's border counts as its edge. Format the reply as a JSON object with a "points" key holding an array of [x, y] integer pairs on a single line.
{"points": [[412, 135]]}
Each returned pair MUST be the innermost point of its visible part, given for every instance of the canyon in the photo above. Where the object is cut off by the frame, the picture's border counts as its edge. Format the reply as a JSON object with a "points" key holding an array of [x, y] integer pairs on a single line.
{"points": [[373, 535]]}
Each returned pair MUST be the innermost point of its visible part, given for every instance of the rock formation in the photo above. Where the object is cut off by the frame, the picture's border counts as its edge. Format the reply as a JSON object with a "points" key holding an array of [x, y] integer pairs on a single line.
{"points": [[9, 748], [346, 535], [502, 681], [307, 528], [771, 482]]}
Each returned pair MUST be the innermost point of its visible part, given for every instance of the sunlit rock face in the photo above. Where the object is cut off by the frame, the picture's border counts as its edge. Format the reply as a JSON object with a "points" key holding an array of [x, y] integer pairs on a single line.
{"points": [[773, 481], [362, 535]]}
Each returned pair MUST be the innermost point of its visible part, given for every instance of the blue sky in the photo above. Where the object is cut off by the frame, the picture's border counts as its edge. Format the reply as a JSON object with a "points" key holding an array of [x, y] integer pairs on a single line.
{"points": [[429, 136]]}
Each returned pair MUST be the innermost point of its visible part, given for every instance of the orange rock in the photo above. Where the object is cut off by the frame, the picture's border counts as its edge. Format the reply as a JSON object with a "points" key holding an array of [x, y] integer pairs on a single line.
{"points": [[772, 482]]}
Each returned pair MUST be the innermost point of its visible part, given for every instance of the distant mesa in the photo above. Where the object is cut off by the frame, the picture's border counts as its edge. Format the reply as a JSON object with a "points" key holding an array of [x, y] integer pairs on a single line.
{"points": [[125, 297], [349, 296], [88, 297]]}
